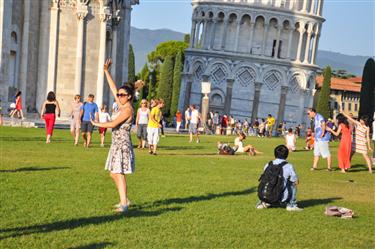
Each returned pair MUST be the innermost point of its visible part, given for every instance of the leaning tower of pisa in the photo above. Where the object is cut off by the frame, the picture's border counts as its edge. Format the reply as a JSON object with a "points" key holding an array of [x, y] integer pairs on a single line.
{"points": [[258, 55]]}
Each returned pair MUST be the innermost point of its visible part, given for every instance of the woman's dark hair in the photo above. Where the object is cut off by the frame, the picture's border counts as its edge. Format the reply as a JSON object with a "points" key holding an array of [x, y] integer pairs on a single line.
{"points": [[129, 89], [341, 119], [365, 119], [18, 93], [281, 152], [290, 130], [51, 96]]}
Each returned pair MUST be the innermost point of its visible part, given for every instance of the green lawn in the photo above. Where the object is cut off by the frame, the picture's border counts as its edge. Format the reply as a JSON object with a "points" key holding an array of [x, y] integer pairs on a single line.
{"points": [[59, 196]]}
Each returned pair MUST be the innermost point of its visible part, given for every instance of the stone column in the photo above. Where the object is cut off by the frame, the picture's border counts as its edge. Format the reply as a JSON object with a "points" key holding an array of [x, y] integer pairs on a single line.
{"points": [[252, 29], [52, 57], [43, 54], [277, 42], [212, 35], [126, 39], [304, 5], [315, 45], [281, 111], [192, 34], [204, 34], [320, 8], [238, 25], [189, 82], [254, 111], [312, 12], [289, 42], [81, 14], [265, 37], [307, 49], [196, 42], [301, 30], [25, 52], [224, 33], [205, 103], [228, 97], [103, 16]]}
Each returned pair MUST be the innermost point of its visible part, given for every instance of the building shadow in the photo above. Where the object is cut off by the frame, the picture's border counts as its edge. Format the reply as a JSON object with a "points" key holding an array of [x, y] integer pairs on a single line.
{"points": [[317, 202], [180, 147], [94, 246], [206, 197], [30, 169], [188, 154], [80, 222]]}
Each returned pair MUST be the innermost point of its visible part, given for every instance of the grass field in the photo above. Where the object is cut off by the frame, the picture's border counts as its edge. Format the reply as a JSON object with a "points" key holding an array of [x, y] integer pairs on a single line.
{"points": [[59, 196]]}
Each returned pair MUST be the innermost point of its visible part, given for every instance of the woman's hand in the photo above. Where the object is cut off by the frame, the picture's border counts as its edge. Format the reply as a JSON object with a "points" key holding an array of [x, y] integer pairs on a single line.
{"points": [[92, 122], [107, 64], [328, 129]]}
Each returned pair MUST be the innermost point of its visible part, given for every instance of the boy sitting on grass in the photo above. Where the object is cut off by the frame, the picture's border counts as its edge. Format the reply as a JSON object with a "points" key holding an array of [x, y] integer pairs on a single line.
{"points": [[278, 183]]}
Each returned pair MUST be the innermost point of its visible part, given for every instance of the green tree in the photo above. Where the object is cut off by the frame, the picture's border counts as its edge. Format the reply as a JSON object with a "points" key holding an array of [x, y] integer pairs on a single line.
{"points": [[164, 49], [166, 83], [131, 65], [324, 96], [367, 102], [176, 83], [187, 38]]}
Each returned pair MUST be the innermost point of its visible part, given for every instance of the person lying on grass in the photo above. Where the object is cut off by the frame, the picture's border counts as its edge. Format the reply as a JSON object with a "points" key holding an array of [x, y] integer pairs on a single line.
{"points": [[278, 183], [240, 148]]}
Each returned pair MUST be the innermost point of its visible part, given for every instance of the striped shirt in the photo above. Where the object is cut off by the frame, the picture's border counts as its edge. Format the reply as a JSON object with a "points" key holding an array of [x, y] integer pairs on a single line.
{"points": [[359, 143]]}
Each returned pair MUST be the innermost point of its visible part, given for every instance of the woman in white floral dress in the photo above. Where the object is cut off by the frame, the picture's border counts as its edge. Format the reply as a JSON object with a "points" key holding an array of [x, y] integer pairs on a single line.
{"points": [[120, 160]]}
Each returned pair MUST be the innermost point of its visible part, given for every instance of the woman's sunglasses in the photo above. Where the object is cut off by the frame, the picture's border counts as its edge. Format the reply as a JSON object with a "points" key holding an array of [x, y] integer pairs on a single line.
{"points": [[122, 95]]}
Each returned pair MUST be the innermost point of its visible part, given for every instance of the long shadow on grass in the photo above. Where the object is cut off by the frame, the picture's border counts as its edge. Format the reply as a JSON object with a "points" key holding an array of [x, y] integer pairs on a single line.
{"points": [[80, 222], [317, 202], [180, 147], [27, 169], [30, 139], [94, 245], [191, 199], [358, 168]]}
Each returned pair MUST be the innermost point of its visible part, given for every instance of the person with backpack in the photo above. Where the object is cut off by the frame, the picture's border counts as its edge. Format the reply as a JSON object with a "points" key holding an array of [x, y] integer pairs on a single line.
{"points": [[278, 183]]}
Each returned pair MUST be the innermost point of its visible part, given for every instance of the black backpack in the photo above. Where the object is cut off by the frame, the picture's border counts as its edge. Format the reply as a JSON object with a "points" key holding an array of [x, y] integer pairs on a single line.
{"points": [[226, 150], [271, 183]]}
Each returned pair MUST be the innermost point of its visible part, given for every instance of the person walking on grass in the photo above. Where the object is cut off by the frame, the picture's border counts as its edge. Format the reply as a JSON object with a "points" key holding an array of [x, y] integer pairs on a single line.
{"points": [[75, 122], [141, 122], [322, 138], [121, 160], [361, 143], [345, 146], [154, 125], [193, 123], [103, 118], [373, 139], [48, 112], [187, 117], [178, 121], [89, 111], [18, 108]]}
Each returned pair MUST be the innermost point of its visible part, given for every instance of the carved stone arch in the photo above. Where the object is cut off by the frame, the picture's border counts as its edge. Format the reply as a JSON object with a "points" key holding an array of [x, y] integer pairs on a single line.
{"points": [[273, 17], [245, 76], [273, 77], [218, 72], [246, 15], [217, 97], [261, 16], [296, 83], [198, 69], [233, 15], [220, 14], [310, 81]]}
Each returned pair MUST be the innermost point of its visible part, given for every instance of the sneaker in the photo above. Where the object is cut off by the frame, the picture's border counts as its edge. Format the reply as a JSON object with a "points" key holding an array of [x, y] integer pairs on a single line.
{"points": [[293, 209], [198, 141], [262, 205]]}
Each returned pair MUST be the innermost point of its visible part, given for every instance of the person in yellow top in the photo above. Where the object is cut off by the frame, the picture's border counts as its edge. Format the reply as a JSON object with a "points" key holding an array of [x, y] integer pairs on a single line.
{"points": [[153, 126], [270, 124]]}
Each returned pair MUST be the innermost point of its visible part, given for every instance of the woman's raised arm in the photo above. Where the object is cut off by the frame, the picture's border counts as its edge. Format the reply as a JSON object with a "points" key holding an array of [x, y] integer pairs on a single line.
{"points": [[111, 83]]}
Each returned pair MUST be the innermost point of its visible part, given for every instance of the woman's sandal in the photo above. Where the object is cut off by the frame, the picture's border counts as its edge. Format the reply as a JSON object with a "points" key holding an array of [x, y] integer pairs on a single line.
{"points": [[122, 209], [119, 204]]}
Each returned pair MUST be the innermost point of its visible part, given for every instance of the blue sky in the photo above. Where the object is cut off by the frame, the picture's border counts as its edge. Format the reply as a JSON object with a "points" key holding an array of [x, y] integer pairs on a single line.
{"points": [[349, 27]]}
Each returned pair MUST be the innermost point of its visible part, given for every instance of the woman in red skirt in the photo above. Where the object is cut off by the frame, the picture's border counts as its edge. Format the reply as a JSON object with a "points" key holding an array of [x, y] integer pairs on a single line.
{"points": [[345, 146], [48, 113]]}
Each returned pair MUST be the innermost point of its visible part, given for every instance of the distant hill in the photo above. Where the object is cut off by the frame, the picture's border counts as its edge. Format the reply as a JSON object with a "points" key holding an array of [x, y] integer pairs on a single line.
{"points": [[145, 40]]}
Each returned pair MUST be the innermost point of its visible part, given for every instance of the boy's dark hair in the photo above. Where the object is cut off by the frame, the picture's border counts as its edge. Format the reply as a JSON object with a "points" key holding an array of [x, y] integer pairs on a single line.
{"points": [[281, 152], [290, 130]]}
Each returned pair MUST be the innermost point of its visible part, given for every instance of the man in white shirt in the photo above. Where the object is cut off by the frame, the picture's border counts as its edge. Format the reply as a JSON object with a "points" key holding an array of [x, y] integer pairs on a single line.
{"points": [[193, 123], [187, 116]]}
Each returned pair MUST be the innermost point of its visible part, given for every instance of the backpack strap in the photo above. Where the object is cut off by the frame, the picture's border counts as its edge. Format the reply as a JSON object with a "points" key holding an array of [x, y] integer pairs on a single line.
{"points": [[283, 163]]}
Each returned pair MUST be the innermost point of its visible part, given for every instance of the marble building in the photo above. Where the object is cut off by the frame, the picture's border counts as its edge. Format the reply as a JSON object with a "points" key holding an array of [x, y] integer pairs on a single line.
{"points": [[258, 55], [61, 46]]}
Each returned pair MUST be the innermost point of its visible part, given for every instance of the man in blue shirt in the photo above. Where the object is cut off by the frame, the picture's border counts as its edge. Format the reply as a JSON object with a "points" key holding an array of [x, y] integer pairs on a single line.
{"points": [[290, 181], [322, 138], [89, 110]]}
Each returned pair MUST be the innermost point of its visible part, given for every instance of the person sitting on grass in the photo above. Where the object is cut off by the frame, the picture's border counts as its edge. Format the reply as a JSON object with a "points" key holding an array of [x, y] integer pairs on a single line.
{"points": [[278, 183], [240, 148], [309, 139], [291, 140]]}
